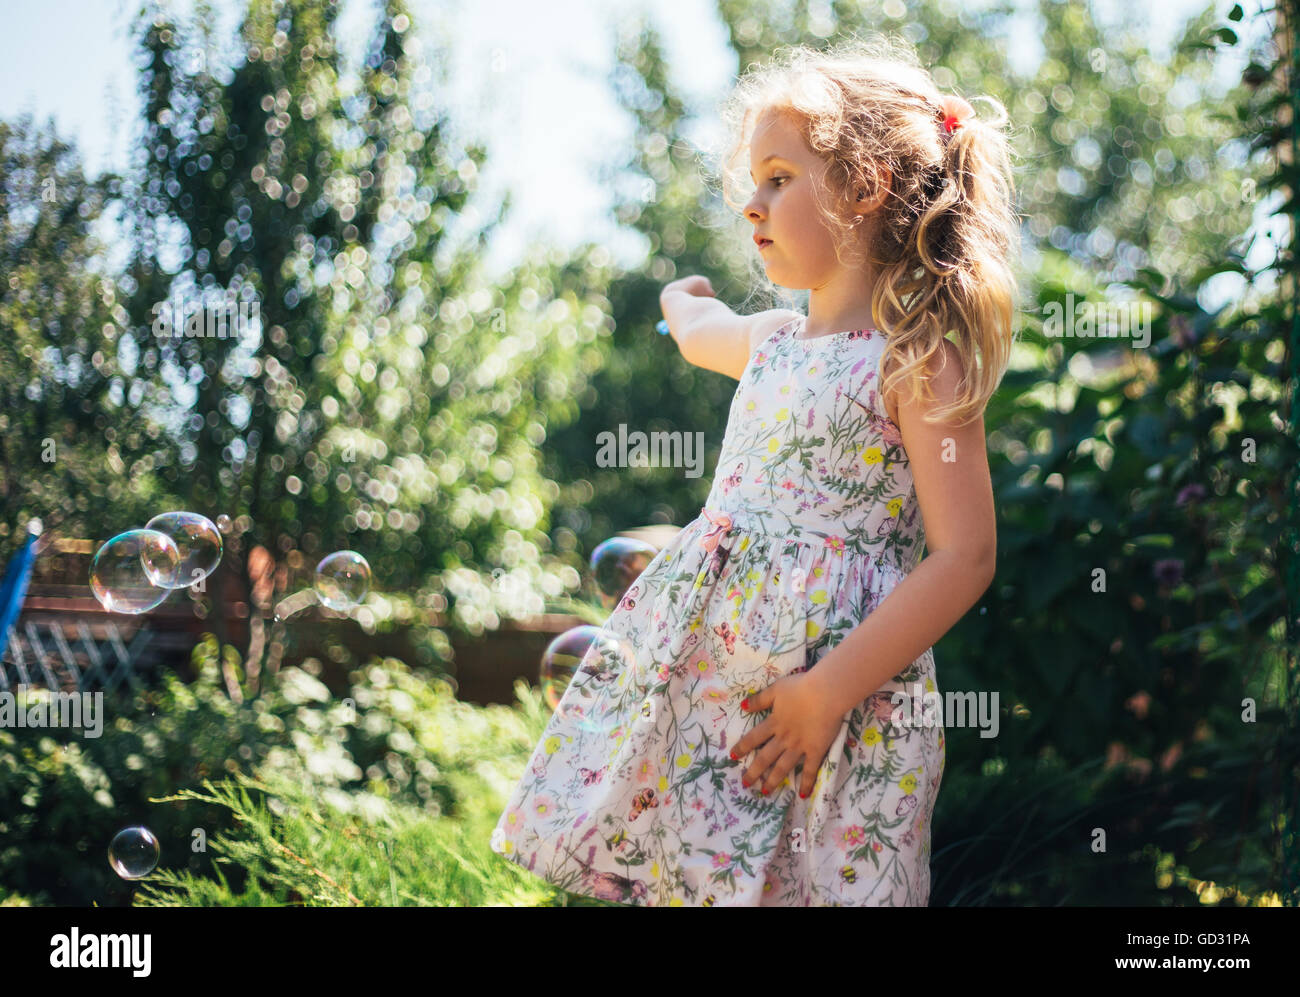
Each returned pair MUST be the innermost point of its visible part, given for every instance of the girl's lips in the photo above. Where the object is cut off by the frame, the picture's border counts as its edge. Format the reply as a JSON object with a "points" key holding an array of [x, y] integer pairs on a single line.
{"points": [[763, 244]]}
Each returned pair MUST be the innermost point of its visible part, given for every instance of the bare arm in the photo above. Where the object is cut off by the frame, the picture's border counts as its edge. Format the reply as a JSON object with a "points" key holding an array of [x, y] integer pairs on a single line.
{"points": [[951, 474], [711, 335]]}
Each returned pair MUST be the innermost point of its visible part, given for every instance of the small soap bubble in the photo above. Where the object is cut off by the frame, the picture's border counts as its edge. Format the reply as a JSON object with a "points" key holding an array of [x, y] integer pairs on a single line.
{"points": [[599, 654], [224, 524], [198, 540], [342, 579], [133, 852], [616, 564], [135, 571]]}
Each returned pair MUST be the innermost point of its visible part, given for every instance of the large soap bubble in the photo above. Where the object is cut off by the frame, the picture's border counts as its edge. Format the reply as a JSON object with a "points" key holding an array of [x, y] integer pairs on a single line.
{"points": [[601, 654], [135, 571], [342, 579], [198, 540], [616, 564]]}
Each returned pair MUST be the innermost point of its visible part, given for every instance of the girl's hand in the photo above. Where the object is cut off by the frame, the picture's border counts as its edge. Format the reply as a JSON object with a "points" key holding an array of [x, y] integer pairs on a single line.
{"points": [[694, 284], [803, 724]]}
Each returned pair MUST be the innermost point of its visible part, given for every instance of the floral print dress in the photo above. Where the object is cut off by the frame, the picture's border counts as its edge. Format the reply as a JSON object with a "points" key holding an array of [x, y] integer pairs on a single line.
{"points": [[812, 521]]}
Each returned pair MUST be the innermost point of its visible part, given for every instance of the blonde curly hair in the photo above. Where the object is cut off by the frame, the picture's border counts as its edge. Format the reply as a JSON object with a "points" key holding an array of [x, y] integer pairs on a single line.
{"points": [[945, 237]]}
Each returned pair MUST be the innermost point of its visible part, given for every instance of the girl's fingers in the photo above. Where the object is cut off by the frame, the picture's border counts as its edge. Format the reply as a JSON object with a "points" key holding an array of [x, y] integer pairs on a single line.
{"points": [[784, 766], [773, 750], [752, 739]]}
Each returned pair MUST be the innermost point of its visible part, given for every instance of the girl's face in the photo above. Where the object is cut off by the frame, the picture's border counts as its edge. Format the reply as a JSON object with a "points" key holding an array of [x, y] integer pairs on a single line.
{"points": [[801, 254]]}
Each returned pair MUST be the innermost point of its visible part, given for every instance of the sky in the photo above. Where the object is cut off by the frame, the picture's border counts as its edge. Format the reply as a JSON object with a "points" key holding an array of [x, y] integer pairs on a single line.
{"points": [[514, 64]]}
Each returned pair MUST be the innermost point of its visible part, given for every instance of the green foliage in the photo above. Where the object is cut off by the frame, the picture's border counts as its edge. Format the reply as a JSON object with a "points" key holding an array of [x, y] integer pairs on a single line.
{"points": [[402, 403], [298, 834], [294, 848], [1164, 467], [1140, 609], [72, 432], [397, 394], [403, 744]]}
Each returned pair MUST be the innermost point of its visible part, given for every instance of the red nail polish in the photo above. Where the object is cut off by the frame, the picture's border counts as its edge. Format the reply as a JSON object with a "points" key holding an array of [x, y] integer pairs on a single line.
{"points": [[744, 783], [744, 704], [803, 796], [765, 792], [733, 756]]}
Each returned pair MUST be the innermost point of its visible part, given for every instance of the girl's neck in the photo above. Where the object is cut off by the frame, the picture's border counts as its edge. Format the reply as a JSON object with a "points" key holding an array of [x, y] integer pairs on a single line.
{"points": [[843, 303]]}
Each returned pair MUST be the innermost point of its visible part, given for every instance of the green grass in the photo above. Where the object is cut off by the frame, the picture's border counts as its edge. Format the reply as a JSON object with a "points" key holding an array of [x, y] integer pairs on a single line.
{"points": [[297, 843]]}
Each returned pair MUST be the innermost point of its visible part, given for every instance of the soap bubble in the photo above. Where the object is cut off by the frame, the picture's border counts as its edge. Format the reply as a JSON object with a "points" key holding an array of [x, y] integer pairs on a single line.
{"points": [[133, 852], [599, 653], [134, 571], [198, 540], [342, 579], [616, 564], [224, 524]]}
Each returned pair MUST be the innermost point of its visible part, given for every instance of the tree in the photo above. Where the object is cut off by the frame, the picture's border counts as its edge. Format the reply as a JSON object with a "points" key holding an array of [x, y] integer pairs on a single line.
{"points": [[389, 400], [75, 430]]}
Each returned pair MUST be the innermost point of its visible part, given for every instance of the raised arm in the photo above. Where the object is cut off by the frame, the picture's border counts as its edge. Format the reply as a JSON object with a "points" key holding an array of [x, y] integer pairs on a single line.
{"points": [[711, 335]]}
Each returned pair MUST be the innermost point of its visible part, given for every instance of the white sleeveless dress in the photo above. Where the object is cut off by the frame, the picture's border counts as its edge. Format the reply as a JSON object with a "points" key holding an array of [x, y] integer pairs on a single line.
{"points": [[812, 520]]}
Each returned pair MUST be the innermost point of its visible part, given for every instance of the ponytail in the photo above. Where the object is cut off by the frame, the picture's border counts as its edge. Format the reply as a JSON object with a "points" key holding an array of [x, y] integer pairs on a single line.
{"points": [[954, 273], [941, 245]]}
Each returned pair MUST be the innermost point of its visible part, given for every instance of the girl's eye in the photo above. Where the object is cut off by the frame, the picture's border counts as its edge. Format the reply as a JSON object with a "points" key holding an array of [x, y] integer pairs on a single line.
{"points": [[775, 179]]}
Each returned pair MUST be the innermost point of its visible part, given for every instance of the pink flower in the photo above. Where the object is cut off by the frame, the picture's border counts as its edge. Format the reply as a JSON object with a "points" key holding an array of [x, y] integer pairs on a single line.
{"points": [[721, 859], [701, 667], [853, 835], [514, 821], [543, 806]]}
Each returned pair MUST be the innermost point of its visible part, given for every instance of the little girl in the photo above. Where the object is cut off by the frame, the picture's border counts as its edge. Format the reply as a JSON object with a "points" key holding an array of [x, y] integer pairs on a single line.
{"points": [[713, 764]]}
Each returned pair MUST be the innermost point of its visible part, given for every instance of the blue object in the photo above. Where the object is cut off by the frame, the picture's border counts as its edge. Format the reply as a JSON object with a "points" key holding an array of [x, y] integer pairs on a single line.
{"points": [[661, 327], [13, 590]]}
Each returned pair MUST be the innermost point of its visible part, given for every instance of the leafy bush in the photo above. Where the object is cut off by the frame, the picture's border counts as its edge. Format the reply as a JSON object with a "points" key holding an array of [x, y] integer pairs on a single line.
{"points": [[403, 745], [292, 846]]}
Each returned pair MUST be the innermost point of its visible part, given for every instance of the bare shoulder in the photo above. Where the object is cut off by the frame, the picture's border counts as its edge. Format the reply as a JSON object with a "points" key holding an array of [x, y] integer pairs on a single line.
{"points": [[944, 371]]}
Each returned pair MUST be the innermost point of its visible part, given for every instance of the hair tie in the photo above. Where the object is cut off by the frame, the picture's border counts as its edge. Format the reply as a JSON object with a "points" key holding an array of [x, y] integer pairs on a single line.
{"points": [[955, 112]]}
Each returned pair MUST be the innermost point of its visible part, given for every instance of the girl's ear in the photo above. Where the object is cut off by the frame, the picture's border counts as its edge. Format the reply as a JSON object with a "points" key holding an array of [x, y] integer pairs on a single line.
{"points": [[867, 204]]}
